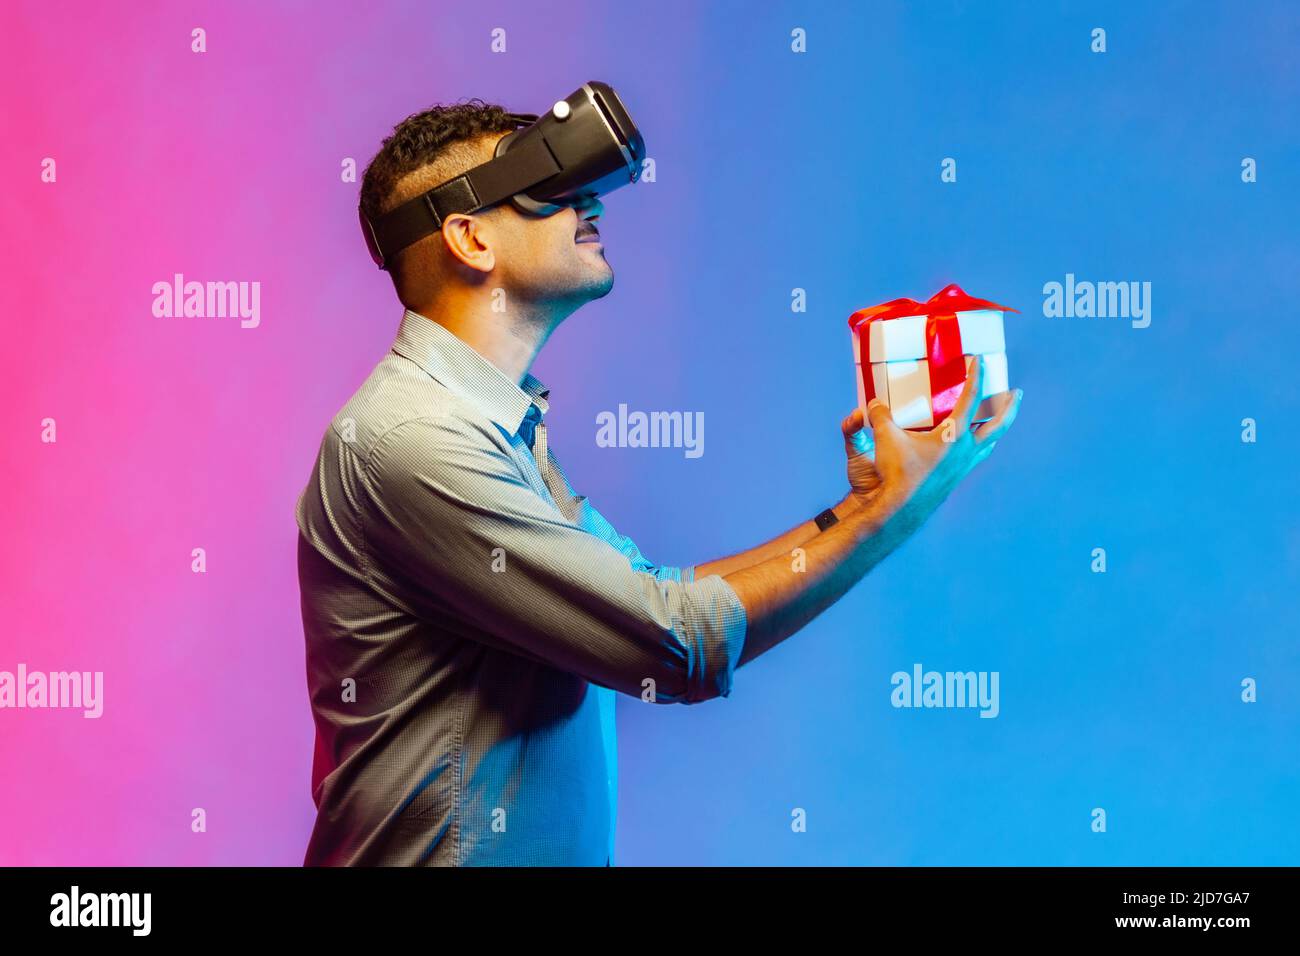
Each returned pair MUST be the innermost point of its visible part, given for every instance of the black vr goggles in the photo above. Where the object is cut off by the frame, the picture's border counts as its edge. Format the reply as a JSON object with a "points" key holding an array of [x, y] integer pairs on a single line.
{"points": [[585, 146]]}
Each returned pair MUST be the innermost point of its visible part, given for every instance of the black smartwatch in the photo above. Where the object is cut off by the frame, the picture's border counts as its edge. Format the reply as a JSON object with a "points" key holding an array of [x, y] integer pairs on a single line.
{"points": [[826, 519]]}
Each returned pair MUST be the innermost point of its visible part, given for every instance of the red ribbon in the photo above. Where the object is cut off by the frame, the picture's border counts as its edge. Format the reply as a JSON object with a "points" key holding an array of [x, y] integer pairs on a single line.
{"points": [[943, 348]]}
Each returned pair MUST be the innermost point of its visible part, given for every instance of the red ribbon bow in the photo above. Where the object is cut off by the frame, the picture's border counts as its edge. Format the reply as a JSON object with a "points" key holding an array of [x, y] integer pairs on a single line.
{"points": [[943, 347]]}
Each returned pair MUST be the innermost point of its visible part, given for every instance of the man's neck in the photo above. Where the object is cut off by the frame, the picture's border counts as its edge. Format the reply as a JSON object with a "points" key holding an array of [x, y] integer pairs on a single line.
{"points": [[510, 340]]}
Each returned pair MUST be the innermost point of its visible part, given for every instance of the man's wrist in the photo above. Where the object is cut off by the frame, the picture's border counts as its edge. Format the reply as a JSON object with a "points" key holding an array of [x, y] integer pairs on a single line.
{"points": [[869, 514], [826, 519], [846, 506]]}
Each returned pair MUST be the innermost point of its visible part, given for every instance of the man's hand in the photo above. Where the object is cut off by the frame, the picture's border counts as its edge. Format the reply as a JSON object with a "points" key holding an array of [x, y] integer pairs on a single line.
{"points": [[897, 478], [913, 472], [896, 489]]}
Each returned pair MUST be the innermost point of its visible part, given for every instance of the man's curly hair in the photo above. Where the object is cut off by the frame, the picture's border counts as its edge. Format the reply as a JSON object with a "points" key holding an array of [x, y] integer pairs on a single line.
{"points": [[423, 139]]}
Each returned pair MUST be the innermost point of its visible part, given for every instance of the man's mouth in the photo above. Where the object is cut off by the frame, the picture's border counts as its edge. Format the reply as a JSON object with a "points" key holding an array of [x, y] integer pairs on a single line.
{"points": [[586, 233]]}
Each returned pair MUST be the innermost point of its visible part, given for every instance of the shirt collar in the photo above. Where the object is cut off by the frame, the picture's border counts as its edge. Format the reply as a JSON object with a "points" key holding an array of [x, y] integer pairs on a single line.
{"points": [[453, 362]]}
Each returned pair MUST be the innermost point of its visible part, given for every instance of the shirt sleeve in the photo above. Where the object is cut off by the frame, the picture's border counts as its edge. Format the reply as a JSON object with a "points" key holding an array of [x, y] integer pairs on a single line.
{"points": [[455, 533], [601, 527]]}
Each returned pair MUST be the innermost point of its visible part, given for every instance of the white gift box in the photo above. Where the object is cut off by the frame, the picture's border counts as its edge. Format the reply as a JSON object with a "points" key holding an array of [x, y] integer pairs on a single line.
{"points": [[900, 370]]}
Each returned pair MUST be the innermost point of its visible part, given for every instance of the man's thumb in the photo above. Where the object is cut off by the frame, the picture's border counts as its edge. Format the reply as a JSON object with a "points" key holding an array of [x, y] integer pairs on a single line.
{"points": [[878, 415]]}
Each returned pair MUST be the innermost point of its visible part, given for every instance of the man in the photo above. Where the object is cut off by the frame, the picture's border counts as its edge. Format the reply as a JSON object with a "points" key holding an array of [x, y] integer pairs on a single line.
{"points": [[468, 617]]}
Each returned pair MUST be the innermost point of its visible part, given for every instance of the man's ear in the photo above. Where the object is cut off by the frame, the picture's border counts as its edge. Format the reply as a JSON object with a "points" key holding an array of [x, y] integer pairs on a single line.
{"points": [[468, 238]]}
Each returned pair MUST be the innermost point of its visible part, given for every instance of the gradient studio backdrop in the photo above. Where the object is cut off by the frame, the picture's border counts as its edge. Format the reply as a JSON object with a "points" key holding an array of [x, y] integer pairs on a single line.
{"points": [[775, 171]]}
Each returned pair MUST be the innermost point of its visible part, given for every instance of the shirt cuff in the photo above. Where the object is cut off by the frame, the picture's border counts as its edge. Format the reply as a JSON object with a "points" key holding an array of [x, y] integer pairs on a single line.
{"points": [[719, 625]]}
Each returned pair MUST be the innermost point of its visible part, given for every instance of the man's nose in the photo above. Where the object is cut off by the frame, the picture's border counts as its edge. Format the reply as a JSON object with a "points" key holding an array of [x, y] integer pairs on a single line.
{"points": [[590, 209]]}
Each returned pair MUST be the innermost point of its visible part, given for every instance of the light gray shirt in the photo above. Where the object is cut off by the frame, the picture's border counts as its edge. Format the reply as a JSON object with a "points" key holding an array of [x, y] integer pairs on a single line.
{"points": [[468, 618]]}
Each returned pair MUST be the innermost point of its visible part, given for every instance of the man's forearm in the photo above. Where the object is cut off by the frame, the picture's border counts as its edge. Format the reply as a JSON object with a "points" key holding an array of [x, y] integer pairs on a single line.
{"points": [[778, 547], [779, 600]]}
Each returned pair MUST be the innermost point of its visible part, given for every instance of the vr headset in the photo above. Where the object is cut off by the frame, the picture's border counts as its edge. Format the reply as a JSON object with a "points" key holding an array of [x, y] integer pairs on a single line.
{"points": [[587, 145]]}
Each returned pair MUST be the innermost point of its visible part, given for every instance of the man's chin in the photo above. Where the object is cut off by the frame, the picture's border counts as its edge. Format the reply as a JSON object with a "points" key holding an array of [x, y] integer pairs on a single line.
{"points": [[592, 279], [605, 286], [601, 281]]}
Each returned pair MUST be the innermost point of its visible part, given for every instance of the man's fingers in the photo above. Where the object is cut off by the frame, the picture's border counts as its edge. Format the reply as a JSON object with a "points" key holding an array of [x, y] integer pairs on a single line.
{"points": [[964, 410], [1008, 407]]}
